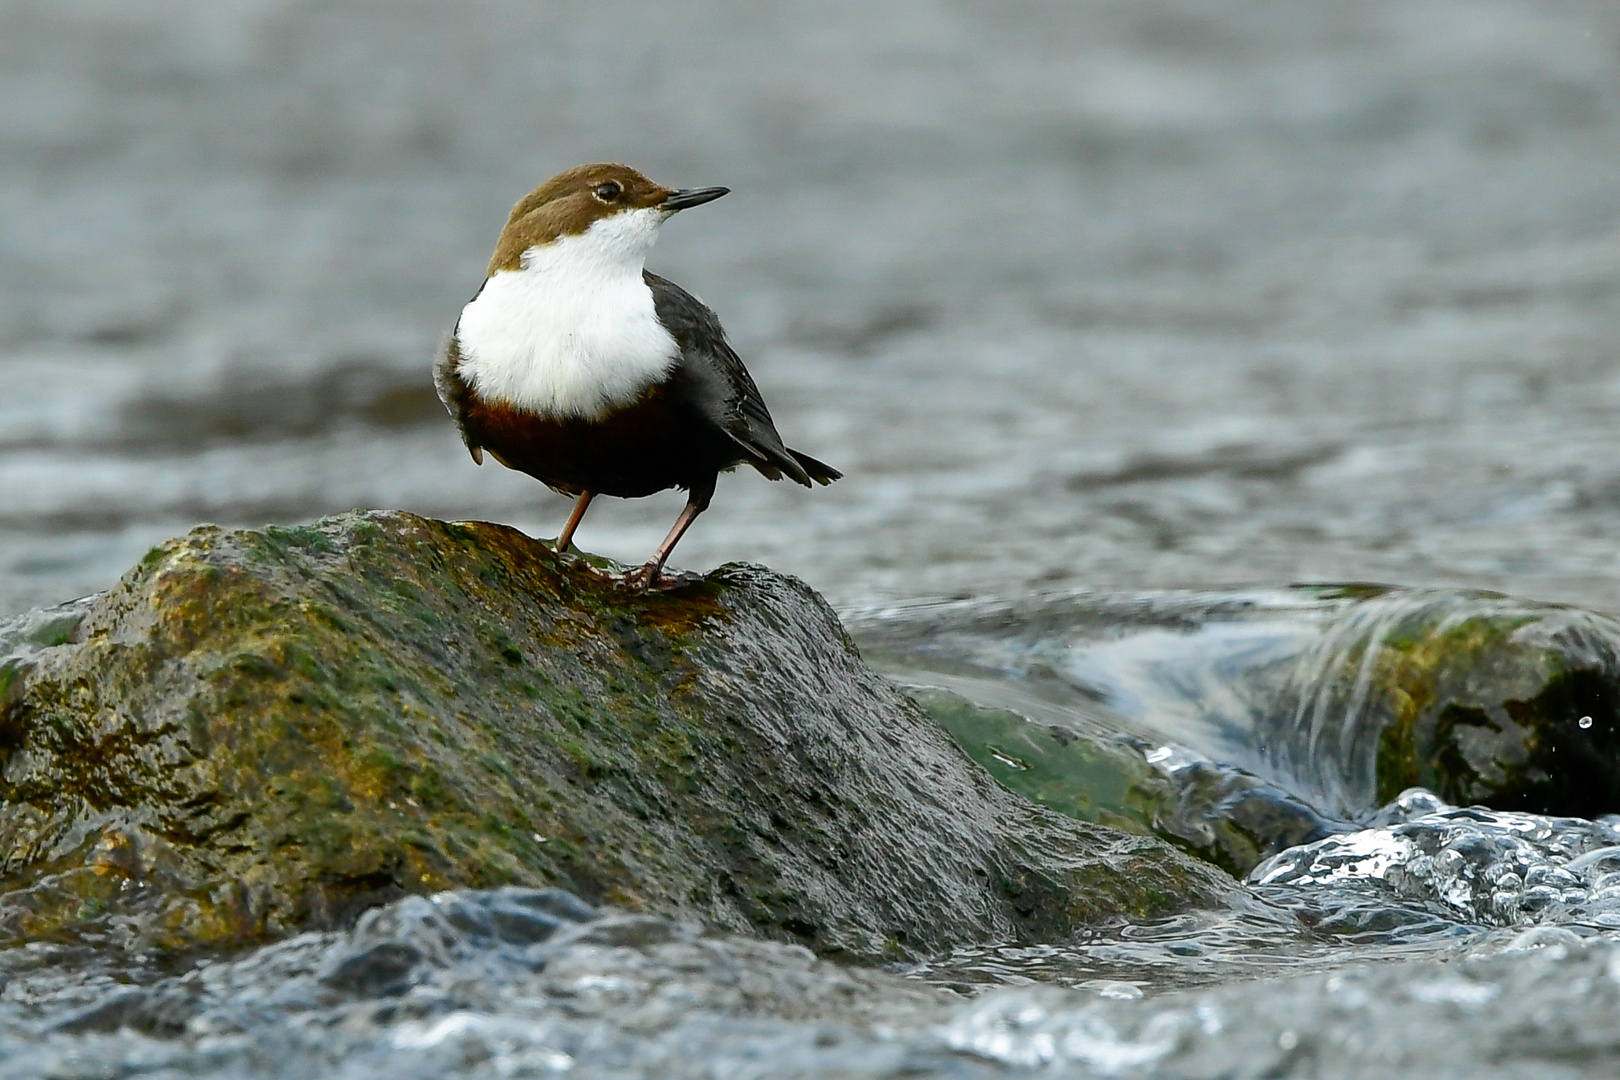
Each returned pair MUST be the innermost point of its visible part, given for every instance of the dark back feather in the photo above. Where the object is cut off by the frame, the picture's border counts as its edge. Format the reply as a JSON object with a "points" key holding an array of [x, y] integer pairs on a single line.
{"points": [[732, 399]]}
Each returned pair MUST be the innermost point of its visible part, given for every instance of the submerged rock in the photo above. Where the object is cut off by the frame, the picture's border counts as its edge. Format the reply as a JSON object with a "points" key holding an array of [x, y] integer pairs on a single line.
{"points": [[258, 731], [1217, 812]]}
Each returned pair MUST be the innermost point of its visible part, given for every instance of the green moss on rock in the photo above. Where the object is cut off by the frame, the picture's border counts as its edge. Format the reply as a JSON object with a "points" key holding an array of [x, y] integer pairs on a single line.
{"points": [[1482, 699], [1090, 778], [259, 731], [1215, 812]]}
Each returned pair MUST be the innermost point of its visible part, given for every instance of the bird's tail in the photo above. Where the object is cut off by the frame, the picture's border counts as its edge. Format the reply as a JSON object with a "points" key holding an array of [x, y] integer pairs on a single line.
{"points": [[775, 461], [819, 471]]}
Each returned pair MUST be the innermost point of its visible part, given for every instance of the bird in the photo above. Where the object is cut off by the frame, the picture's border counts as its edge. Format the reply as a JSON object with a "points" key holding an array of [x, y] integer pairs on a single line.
{"points": [[575, 364]]}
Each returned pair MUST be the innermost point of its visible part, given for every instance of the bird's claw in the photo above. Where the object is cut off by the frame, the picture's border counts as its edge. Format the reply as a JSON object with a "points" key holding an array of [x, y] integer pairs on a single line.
{"points": [[641, 578], [659, 579]]}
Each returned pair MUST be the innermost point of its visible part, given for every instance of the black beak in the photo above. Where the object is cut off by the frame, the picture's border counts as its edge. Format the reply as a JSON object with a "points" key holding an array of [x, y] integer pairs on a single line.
{"points": [[686, 197]]}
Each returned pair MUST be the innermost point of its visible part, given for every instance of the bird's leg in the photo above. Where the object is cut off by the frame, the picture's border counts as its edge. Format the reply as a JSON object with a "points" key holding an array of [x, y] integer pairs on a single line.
{"points": [[696, 503], [567, 533], [643, 577]]}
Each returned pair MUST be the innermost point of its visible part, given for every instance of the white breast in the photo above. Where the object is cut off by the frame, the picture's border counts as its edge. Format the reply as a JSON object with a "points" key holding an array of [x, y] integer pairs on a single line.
{"points": [[573, 332]]}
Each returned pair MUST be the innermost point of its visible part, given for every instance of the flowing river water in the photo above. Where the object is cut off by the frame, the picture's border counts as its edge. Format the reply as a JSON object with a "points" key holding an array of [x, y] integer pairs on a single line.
{"points": [[1105, 310]]}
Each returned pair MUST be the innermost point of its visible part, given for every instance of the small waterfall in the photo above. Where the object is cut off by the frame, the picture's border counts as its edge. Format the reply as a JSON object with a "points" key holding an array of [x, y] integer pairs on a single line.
{"points": [[1462, 693]]}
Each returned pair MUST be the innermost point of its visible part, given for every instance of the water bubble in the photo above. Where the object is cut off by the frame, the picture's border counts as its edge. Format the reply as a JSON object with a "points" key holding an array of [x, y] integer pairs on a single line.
{"points": [[1585, 721], [1491, 867]]}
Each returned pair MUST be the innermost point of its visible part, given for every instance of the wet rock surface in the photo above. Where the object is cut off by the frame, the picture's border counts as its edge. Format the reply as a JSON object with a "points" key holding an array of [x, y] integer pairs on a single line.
{"points": [[258, 731]]}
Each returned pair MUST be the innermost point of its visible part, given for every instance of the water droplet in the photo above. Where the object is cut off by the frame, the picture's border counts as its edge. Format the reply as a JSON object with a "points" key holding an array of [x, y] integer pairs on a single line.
{"points": [[1585, 721]]}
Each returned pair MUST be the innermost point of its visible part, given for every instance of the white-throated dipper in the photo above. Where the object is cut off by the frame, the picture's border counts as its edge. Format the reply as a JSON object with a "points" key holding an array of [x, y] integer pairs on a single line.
{"points": [[576, 365]]}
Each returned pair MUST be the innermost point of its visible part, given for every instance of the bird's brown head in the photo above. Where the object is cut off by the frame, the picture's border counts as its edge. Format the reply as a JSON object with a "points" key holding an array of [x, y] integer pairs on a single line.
{"points": [[572, 201]]}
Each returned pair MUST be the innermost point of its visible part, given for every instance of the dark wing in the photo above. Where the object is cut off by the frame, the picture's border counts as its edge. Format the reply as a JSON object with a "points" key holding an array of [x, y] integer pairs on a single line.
{"points": [[728, 391], [454, 392]]}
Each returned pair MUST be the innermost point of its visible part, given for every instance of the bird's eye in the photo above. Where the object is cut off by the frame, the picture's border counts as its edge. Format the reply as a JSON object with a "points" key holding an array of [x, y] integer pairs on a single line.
{"points": [[609, 191]]}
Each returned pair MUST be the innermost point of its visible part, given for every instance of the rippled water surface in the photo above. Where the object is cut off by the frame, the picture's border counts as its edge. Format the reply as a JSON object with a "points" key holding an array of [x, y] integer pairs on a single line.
{"points": [[1161, 305], [1167, 293]]}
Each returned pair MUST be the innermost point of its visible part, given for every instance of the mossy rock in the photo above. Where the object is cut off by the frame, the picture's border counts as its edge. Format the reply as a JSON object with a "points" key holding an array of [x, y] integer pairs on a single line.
{"points": [[1216, 812], [261, 731], [1480, 698]]}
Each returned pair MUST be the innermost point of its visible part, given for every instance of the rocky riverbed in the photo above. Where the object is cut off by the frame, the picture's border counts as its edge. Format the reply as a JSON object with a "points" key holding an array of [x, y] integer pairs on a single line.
{"points": [[418, 798]]}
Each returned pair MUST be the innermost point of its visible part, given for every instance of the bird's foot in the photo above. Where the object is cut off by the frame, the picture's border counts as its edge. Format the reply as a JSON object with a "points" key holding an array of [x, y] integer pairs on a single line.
{"points": [[642, 578], [650, 578]]}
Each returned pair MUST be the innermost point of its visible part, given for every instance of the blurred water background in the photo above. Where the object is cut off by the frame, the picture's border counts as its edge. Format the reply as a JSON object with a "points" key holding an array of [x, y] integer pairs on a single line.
{"points": [[1152, 294], [1089, 300]]}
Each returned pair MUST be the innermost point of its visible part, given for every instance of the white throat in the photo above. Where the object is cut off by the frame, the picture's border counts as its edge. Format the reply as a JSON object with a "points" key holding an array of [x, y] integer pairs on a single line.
{"points": [[572, 333]]}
